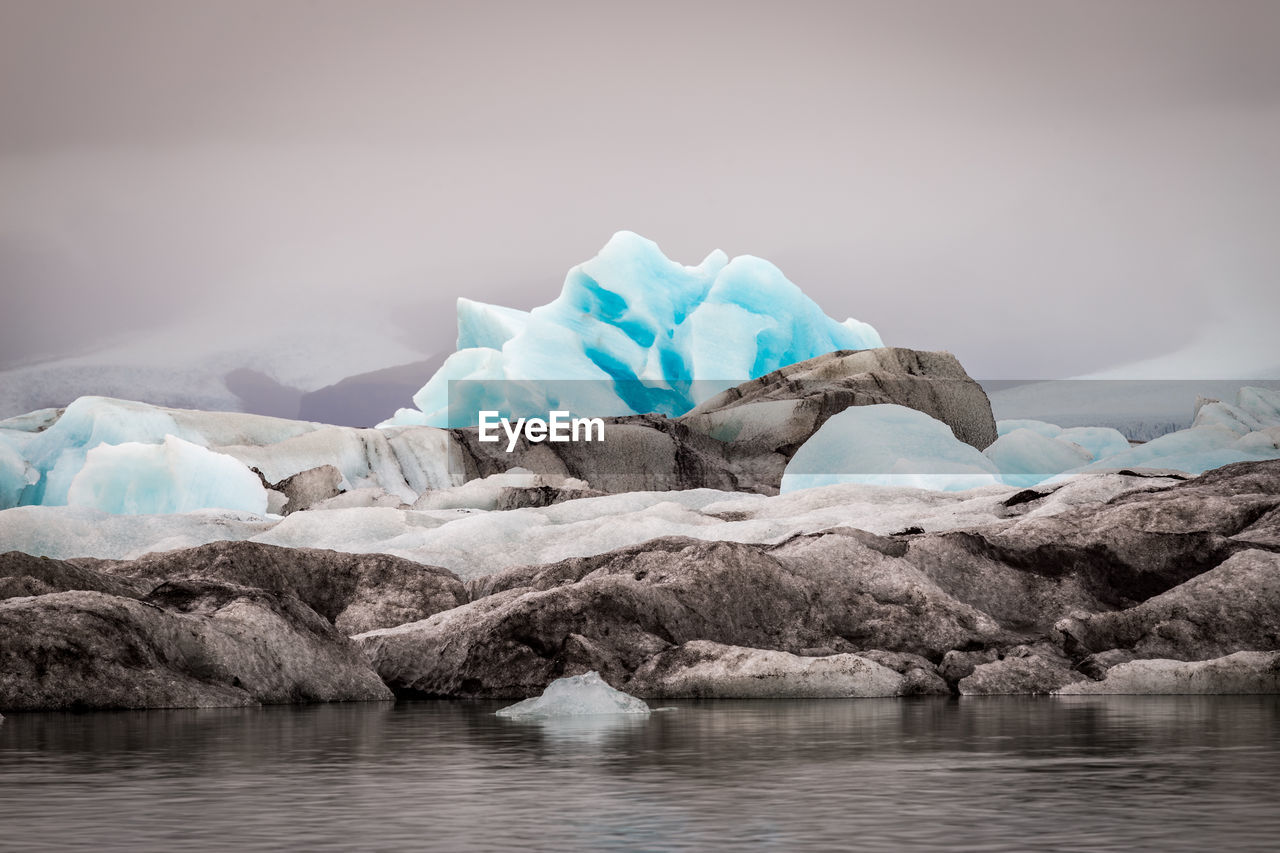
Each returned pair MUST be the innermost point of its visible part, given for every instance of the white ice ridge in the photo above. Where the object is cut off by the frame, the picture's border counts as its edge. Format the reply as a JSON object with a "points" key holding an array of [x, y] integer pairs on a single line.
{"points": [[641, 328], [475, 542], [575, 696]]}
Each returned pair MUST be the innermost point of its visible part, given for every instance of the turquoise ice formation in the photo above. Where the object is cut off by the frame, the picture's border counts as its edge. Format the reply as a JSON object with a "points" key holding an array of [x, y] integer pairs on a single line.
{"points": [[173, 476], [639, 328]]}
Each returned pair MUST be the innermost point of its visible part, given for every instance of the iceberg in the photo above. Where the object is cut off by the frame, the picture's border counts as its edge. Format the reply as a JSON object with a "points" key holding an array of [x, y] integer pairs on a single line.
{"points": [[575, 696], [888, 445], [58, 452], [1044, 428], [1100, 442], [638, 328], [474, 543], [171, 477], [1234, 418], [1193, 450], [1263, 404], [1024, 457], [38, 467], [1220, 434]]}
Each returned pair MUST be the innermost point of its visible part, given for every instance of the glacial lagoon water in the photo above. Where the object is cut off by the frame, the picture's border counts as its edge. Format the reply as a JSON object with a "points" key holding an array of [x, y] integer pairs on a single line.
{"points": [[1016, 773]]}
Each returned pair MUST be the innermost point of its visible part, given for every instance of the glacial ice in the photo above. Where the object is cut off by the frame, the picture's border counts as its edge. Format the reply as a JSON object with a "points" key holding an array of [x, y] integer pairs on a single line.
{"points": [[402, 462], [42, 455], [475, 543], [1216, 413], [575, 696], [887, 445], [641, 327], [1025, 458], [174, 476], [15, 474], [1096, 441], [1265, 442], [1048, 430], [1262, 403], [1100, 442], [484, 492], [1221, 433], [58, 453], [873, 444], [63, 532]]}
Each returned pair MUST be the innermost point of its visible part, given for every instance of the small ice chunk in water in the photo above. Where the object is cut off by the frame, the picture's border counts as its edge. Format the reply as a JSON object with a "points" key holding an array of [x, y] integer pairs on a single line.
{"points": [[575, 696]]}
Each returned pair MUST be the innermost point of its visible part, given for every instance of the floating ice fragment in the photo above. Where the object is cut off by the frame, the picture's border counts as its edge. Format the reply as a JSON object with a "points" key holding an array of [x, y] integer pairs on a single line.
{"points": [[577, 695]]}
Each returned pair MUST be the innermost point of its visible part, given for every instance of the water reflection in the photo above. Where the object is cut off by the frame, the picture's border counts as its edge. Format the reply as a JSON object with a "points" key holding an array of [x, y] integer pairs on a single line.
{"points": [[997, 773]]}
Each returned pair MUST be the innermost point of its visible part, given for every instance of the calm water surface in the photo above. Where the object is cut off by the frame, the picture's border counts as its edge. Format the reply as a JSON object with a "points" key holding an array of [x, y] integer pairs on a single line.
{"points": [[1113, 773]]}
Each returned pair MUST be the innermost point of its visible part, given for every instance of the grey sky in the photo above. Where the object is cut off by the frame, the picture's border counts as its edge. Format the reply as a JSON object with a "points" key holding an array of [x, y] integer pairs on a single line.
{"points": [[1043, 188]]}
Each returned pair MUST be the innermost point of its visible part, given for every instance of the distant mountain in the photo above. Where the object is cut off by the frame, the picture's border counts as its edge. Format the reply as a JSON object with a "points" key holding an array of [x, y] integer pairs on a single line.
{"points": [[366, 399], [250, 363]]}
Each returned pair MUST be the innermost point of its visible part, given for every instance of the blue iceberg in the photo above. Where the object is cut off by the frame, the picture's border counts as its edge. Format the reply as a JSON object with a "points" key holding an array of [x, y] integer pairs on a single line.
{"points": [[173, 476], [629, 333]]}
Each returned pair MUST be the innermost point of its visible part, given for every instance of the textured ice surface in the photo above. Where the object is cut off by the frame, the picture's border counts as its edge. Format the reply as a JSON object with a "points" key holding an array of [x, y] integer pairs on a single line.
{"points": [[35, 421], [887, 445], [58, 453], [1025, 458], [484, 492], [575, 696], [632, 314], [15, 473], [1221, 433], [474, 543], [1101, 442], [1043, 428], [65, 531], [1262, 403], [1265, 442], [404, 462], [1193, 451], [171, 477]]}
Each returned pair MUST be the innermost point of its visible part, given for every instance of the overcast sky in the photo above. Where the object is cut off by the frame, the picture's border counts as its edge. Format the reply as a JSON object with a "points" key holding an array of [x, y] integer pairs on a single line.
{"points": [[1043, 188]]}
